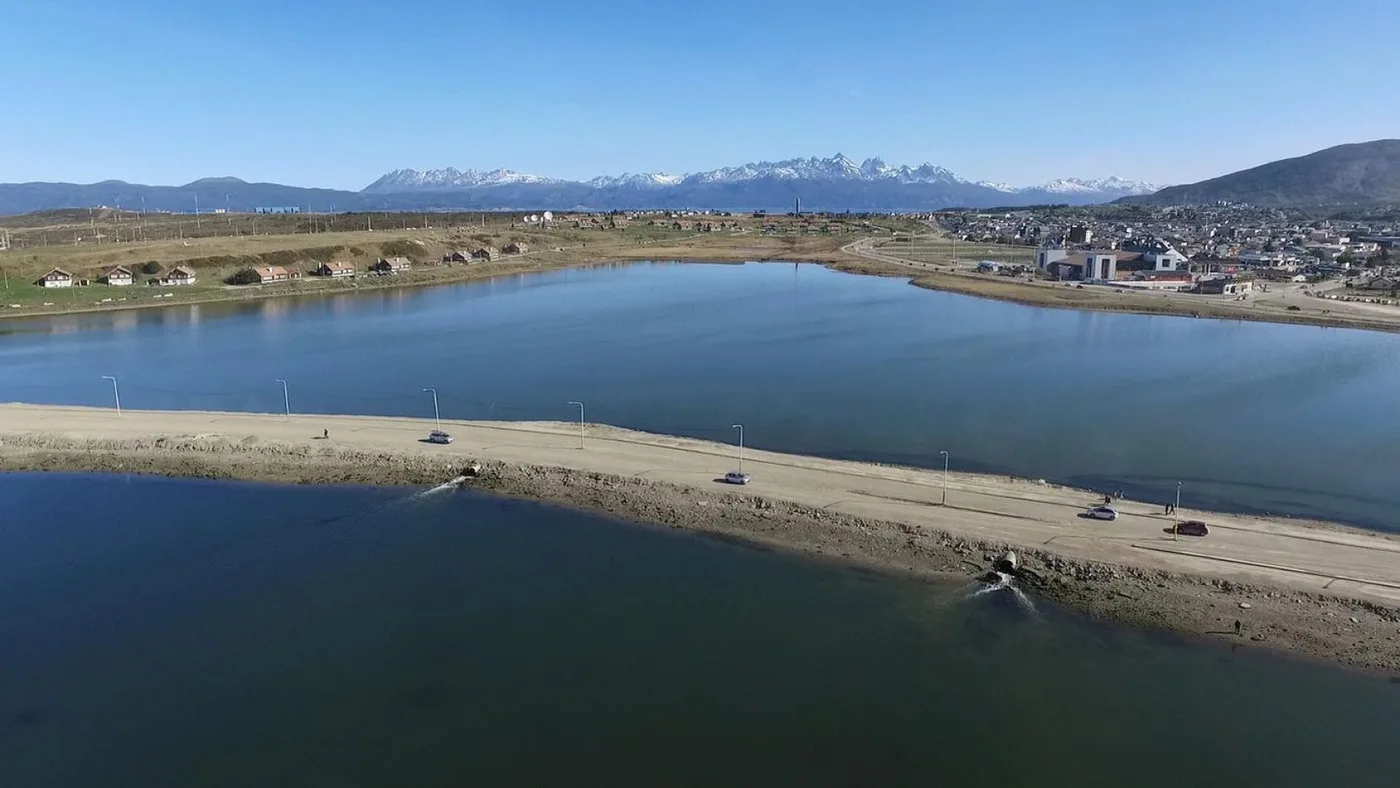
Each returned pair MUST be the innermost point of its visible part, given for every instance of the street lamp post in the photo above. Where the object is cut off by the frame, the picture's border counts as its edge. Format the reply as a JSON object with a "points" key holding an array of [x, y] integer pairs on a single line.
{"points": [[286, 399], [580, 421], [944, 501], [116, 394], [740, 428], [1176, 526], [437, 416]]}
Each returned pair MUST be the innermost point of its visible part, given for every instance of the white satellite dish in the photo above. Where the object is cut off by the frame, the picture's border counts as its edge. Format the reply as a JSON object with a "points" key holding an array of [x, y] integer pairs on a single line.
{"points": [[532, 219], [549, 216]]}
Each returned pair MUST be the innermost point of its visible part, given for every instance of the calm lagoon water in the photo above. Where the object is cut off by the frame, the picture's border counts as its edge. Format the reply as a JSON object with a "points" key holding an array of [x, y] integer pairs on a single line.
{"points": [[1249, 416], [178, 632]]}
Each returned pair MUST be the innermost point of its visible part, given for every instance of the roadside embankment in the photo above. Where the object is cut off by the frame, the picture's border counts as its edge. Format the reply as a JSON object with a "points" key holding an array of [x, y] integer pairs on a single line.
{"points": [[1315, 589]]}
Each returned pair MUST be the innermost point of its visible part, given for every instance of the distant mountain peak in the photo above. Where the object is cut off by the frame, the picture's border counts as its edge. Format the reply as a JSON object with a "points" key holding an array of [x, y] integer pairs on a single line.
{"points": [[223, 180]]}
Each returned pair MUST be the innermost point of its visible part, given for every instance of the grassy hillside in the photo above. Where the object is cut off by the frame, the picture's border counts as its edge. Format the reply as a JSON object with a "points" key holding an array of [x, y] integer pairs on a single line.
{"points": [[1365, 172], [88, 243]]}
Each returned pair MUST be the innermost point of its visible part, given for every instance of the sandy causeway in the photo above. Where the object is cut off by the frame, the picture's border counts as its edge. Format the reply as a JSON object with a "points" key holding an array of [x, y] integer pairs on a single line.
{"points": [[1312, 588]]}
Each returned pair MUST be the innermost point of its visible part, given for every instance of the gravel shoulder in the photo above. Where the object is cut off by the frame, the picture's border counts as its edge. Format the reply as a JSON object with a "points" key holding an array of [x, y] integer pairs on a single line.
{"points": [[1320, 590]]}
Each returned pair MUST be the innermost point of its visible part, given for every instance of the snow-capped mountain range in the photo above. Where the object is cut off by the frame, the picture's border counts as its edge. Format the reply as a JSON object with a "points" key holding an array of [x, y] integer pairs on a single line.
{"points": [[838, 168], [832, 184]]}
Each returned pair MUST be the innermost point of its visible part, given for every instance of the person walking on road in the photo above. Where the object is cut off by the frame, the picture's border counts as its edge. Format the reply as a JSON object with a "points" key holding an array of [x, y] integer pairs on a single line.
{"points": [[325, 434]]}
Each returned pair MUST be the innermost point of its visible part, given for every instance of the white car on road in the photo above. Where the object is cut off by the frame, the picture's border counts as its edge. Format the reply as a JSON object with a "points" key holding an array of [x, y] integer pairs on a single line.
{"points": [[1102, 513], [736, 477], [438, 436]]}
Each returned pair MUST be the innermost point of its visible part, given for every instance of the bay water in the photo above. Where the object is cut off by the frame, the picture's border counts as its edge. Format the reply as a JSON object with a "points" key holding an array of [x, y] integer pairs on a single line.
{"points": [[1250, 417], [183, 632]]}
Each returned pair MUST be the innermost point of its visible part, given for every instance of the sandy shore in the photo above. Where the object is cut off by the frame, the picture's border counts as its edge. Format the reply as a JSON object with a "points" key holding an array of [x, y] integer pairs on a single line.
{"points": [[1313, 588]]}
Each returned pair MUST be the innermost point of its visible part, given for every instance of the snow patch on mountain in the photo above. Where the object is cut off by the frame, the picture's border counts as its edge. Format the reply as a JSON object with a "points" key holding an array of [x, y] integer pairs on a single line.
{"points": [[1112, 184], [640, 180], [450, 178]]}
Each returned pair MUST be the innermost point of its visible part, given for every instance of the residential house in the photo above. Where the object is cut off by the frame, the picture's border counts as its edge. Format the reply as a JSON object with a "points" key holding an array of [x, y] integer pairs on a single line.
{"points": [[55, 278], [1165, 259], [1178, 277], [1261, 259], [335, 270], [488, 253], [391, 265], [1225, 285], [118, 276], [1275, 275], [180, 275], [516, 248], [272, 273]]}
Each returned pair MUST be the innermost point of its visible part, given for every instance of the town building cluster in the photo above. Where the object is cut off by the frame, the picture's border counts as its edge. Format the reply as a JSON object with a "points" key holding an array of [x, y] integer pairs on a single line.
{"points": [[1222, 248]]}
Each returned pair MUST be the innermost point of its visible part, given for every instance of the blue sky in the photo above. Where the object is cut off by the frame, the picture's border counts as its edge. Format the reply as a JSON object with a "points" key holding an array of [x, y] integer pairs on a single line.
{"points": [[336, 92]]}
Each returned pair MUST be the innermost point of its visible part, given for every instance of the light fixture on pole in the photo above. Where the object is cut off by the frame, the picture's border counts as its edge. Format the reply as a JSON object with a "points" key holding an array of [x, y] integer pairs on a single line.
{"points": [[437, 416], [1176, 524], [944, 501], [286, 399], [740, 428], [580, 421], [116, 394]]}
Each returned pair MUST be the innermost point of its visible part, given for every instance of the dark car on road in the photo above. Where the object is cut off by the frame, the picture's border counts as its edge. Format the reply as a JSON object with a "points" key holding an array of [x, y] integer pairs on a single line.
{"points": [[1192, 528]]}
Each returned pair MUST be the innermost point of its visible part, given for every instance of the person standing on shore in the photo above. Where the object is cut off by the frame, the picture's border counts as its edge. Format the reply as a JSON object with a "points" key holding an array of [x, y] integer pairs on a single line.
{"points": [[1239, 628]]}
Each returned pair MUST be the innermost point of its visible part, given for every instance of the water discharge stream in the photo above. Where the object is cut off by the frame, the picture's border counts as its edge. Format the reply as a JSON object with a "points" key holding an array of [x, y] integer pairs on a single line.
{"points": [[1005, 582]]}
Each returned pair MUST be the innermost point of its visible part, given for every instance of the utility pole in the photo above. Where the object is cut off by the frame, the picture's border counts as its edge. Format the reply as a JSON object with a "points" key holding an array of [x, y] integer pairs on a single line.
{"points": [[944, 500], [740, 428], [437, 415], [580, 421], [115, 392], [1176, 525]]}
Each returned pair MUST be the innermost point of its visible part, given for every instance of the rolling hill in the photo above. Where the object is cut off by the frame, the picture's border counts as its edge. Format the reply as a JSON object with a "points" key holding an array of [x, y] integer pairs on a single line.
{"points": [[1362, 172]]}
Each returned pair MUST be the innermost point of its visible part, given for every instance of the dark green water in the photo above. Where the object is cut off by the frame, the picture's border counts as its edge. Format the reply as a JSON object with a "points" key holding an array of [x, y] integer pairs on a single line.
{"points": [[184, 633], [1250, 416]]}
